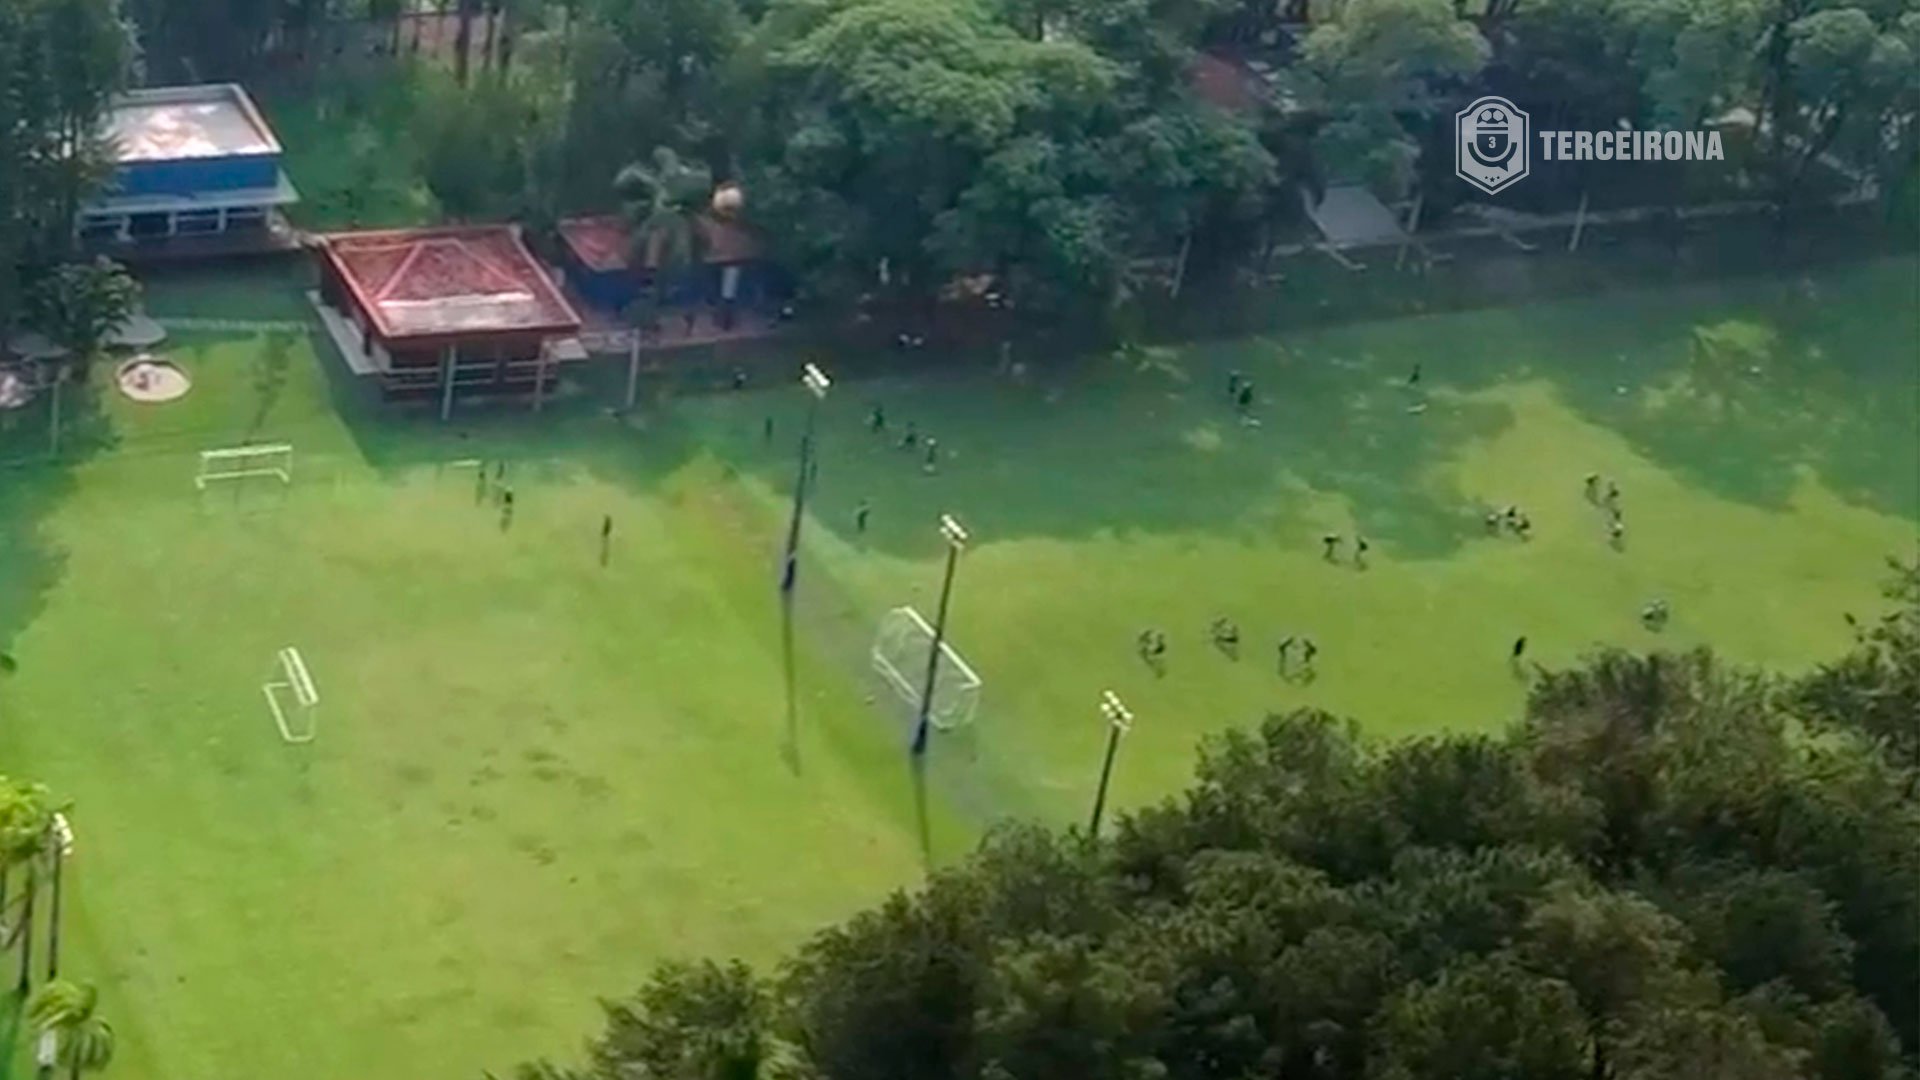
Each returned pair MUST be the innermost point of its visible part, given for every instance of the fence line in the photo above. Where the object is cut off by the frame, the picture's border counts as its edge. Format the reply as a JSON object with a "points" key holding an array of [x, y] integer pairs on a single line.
{"points": [[245, 326]]}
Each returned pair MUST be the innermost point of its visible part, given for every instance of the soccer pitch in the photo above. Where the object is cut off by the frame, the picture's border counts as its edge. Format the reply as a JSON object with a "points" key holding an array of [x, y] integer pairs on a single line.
{"points": [[536, 774]]}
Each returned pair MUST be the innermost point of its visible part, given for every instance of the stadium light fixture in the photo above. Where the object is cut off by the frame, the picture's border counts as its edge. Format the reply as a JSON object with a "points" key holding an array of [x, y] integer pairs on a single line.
{"points": [[1119, 721], [956, 537], [815, 381], [817, 384]]}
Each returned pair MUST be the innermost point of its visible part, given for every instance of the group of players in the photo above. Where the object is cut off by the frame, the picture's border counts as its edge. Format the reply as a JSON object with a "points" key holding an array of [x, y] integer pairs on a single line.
{"points": [[1151, 644]]}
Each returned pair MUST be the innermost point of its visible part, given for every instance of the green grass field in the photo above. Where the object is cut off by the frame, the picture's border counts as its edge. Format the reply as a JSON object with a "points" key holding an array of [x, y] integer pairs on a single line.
{"points": [[536, 775]]}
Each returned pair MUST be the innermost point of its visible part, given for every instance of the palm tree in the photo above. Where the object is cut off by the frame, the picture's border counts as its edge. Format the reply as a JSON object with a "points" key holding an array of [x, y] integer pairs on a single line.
{"points": [[26, 824], [83, 1042], [663, 202]]}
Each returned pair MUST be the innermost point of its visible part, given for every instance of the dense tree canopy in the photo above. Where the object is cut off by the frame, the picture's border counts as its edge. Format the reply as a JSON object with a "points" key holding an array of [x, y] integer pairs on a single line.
{"points": [[1067, 147], [1658, 874], [914, 140], [60, 63]]}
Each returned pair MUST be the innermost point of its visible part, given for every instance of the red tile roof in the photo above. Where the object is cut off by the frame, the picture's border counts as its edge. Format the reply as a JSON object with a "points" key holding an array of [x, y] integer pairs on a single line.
{"points": [[600, 243], [1226, 83], [605, 243], [460, 280]]}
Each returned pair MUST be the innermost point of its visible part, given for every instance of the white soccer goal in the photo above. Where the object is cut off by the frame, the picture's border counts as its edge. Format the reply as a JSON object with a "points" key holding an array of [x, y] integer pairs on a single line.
{"points": [[233, 462], [900, 652], [295, 719]]}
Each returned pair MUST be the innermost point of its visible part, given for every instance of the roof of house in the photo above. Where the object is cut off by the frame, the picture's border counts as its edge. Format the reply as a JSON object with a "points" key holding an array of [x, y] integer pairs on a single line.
{"points": [[458, 280], [177, 123], [1349, 215], [605, 243], [1226, 83]]}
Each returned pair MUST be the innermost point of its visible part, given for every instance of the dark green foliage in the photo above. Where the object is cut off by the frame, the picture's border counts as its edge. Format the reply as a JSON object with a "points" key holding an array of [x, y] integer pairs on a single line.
{"points": [[1875, 688], [76, 305], [1486, 1018], [60, 63], [704, 1020], [1657, 875]]}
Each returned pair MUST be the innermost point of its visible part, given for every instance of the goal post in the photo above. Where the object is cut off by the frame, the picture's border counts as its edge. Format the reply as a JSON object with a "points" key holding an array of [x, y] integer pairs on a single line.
{"points": [[234, 462], [290, 679], [900, 653]]}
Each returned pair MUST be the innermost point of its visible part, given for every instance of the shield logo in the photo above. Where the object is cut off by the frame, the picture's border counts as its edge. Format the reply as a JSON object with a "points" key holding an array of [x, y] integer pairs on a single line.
{"points": [[1490, 145]]}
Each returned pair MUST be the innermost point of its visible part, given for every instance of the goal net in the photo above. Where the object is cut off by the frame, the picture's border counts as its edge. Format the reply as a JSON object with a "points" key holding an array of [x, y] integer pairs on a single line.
{"points": [[291, 695], [900, 652], [234, 462]]}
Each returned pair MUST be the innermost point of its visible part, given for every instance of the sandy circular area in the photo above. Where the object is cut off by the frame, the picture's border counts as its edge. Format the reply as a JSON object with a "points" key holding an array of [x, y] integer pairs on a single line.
{"points": [[152, 379]]}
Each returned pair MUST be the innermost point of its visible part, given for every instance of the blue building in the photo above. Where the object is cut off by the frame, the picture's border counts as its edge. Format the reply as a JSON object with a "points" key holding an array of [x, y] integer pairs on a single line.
{"points": [[597, 258], [191, 161]]}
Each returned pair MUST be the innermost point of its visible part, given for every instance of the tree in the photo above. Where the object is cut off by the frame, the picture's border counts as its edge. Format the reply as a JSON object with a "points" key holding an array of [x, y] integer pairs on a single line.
{"points": [[1822, 81], [26, 839], [1061, 1007], [909, 142], [683, 44], [390, 12], [512, 15], [1620, 955], [477, 142], [1875, 688], [664, 202], [1378, 66], [463, 40], [69, 1012], [1837, 78], [78, 305], [1703, 1044], [1482, 1019], [1655, 876], [700, 1022], [60, 63], [891, 106]]}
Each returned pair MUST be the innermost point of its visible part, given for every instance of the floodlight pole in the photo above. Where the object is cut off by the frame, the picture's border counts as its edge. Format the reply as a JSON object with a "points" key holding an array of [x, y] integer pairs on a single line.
{"points": [[446, 393], [956, 538], [817, 384], [62, 849], [1119, 721]]}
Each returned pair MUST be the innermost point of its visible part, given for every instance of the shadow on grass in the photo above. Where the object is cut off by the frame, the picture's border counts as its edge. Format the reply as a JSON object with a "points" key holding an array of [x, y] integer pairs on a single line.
{"points": [[32, 484], [1147, 440], [16, 1039]]}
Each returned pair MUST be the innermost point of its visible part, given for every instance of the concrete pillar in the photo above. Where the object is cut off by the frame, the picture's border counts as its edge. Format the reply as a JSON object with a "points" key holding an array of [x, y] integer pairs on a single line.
{"points": [[446, 402]]}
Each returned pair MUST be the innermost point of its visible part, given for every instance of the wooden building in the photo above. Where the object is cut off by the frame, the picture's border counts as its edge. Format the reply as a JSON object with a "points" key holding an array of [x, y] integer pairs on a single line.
{"points": [[454, 311]]}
